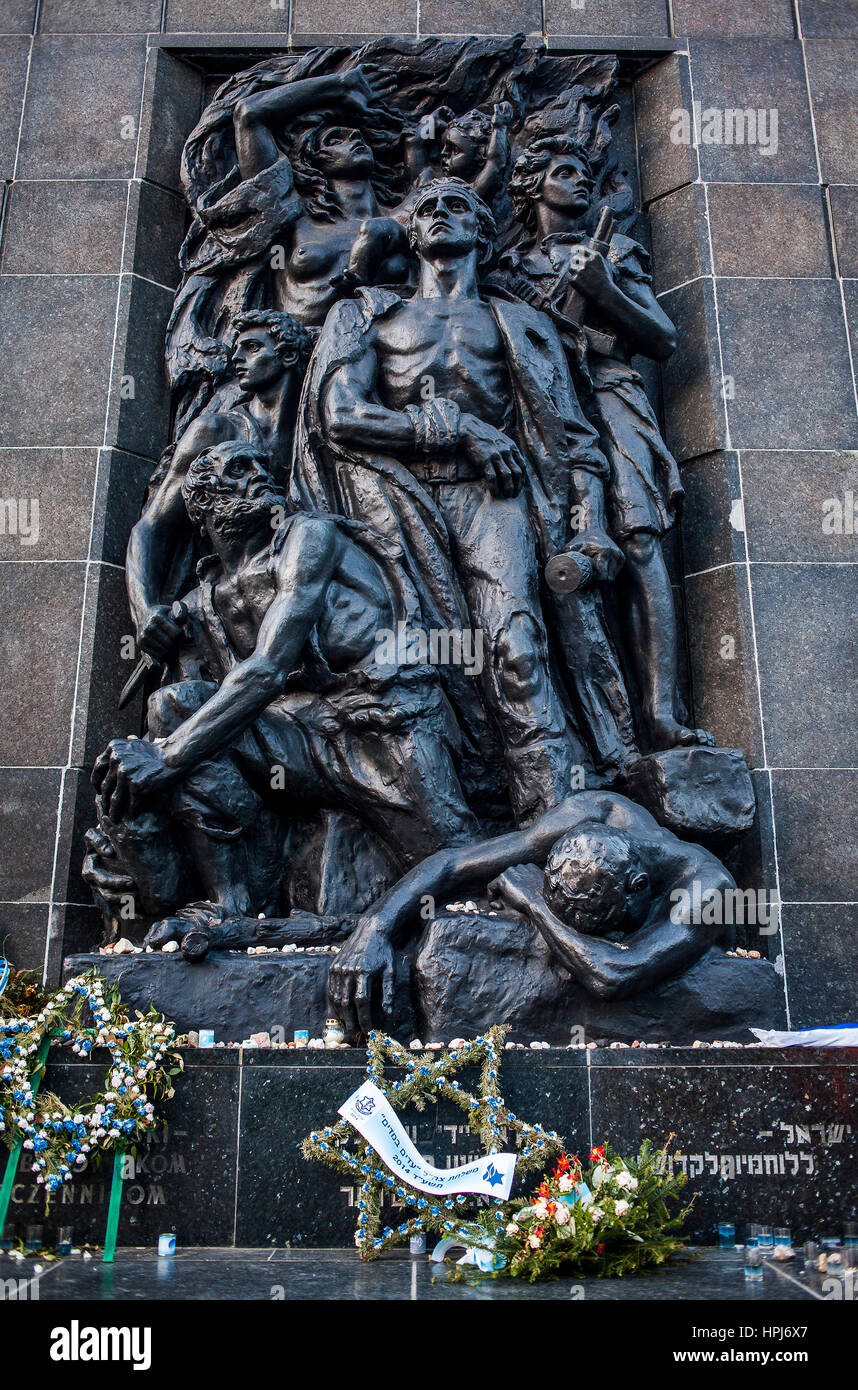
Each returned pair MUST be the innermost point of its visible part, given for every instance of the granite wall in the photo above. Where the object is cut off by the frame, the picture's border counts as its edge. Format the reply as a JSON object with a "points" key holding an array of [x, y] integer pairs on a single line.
{"points": [[756, 260]]}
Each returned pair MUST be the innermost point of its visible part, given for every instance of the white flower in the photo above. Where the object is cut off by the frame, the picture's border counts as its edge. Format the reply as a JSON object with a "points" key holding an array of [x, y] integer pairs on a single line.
{"points": [[621, 1207], [534, 1242], [512, 1229], [539, 1210], [596, 1214], [565, 1183], [561, 1215], [625, 1180]]}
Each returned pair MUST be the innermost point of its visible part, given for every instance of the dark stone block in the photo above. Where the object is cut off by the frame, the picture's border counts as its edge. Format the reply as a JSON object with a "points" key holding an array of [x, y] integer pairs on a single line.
{"points": [[305, 1203], [120, 489], [23, 933], [712, 524], [783, 1156], [805, 624], [809, 402], [103, 669], [821, 960], [816, 815], [729, 19], [140, 423], [226, 17], [614, 17], [77, 814], [680, 240], [29, 800], [308, 1205], [40, 612], [850, 299], [659, 91], [61, 482], [182, 1179], [17, 16], [80, 92], [172, 98], [789, 495], [766, 75], [693, 408], [720, 644], [235, 994], [64, 228], [768, 230], [59, 332], [157, 222], [701, 792], [836, 19], [832, 92], [99, 16], [14, 53], [473, 971], [751, 861], [73, 928], [844, 216]]}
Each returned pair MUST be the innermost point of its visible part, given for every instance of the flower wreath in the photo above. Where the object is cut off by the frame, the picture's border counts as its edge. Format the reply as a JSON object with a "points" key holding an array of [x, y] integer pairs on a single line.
{"points": [[428, 1077], [63, 1138]]}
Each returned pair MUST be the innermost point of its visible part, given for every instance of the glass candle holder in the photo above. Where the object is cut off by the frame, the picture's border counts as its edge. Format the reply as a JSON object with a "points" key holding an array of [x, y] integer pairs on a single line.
{"points": [[766, 1239], [783, 1236], [811, 1255], [726, 1235], [753, 1264], [850, 1233], [64, 1240], [33, 1238]]}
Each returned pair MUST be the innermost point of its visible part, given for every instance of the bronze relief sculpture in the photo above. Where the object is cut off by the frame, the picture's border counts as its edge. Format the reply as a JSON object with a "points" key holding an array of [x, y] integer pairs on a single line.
{"points": [[405, 619]]}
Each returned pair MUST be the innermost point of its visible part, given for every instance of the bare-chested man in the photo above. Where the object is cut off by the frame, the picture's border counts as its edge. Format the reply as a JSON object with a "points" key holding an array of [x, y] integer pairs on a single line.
{"points": [[463, 409], [289, 626]]}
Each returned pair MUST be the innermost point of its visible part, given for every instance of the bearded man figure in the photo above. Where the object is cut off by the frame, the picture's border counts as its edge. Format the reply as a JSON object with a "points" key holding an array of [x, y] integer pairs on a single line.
{"points": [[299, 713], [448, 421]]}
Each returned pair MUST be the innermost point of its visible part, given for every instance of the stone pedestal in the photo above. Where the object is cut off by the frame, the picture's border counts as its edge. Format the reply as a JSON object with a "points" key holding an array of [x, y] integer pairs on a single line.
{"points": [[763, 1135]]}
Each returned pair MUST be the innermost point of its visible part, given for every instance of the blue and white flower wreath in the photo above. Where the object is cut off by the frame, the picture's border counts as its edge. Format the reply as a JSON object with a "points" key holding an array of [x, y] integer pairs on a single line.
{"points": [[64, 1139]]}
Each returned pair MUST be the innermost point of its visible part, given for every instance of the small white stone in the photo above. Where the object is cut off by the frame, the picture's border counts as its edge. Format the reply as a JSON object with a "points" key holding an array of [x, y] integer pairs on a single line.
{"points": [[535, 1046], [435, 1047], [415, 1045], [123, 947], [170, 947]]}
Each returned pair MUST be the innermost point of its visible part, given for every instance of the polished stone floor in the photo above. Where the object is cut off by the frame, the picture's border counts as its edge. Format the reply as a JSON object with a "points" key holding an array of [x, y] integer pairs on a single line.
{"points": [[339, 1274]]}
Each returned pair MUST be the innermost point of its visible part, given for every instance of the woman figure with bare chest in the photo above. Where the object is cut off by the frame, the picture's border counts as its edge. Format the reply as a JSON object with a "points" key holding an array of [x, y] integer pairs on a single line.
{"points": [[339, 237]]}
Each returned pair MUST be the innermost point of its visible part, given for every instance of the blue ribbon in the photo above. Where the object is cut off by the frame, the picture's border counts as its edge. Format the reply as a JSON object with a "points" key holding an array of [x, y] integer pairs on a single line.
{"points": [[5, 972]]}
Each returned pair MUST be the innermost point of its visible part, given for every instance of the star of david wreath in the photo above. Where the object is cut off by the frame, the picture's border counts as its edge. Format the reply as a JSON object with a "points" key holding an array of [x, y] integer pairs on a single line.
{"points": [[429, 1076]]}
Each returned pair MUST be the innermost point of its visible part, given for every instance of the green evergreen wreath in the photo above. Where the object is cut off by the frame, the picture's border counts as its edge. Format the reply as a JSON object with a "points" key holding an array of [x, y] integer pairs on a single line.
{"points": [[429, 1076]]}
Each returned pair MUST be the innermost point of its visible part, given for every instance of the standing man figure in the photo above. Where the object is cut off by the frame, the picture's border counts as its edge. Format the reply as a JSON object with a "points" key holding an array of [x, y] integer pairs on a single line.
{"points": [[448, 421]]}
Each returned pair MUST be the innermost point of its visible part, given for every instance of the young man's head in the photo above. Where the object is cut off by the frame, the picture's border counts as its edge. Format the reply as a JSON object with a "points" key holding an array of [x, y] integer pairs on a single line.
{"points": [[229, 491], [266, 345], [448, 219], [556, 171], [595, 882], [465, 144]]}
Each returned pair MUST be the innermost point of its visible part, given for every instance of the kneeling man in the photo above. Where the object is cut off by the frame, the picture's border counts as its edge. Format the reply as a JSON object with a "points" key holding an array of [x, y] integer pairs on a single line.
{"points": [[297, 712]]}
